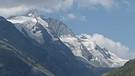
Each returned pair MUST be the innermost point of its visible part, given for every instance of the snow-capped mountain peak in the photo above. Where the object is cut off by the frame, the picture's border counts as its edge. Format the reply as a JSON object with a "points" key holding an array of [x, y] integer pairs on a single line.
{"points": [[40, 29], [96, 55], [100, 54], [32, 25]]}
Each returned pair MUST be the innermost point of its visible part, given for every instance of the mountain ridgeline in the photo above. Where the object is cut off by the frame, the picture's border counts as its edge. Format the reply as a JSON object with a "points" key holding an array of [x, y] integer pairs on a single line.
{"points": [[32, 45]]}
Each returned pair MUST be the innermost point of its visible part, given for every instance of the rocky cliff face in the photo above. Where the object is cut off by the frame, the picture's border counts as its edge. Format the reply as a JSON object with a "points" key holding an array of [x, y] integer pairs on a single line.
{"points": [[58, 28]]}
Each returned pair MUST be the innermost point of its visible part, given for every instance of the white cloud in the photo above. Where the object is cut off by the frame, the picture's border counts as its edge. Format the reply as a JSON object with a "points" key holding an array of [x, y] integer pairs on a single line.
{"points": [[115, 47], [50, 6], [15, 3], [71, 16], [12, 7], [93, 3], [107, 4], [64, 4], [6, 12]]}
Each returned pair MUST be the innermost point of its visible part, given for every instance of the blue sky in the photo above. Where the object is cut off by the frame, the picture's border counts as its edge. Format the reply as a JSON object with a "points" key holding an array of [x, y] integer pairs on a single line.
{"points": [[114, 19]]}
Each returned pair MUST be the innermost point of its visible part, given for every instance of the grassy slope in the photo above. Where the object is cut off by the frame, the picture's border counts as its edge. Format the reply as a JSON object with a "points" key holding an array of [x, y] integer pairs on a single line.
{"points": [[127, 70]]}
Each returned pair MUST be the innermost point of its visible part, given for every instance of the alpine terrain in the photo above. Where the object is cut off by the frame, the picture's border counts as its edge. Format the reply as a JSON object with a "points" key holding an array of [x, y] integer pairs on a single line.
{"points": [[32, 45]]}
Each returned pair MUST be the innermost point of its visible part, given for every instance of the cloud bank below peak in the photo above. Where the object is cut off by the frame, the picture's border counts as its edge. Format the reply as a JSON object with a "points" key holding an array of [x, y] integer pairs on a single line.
{"points": [[50, 6]]}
